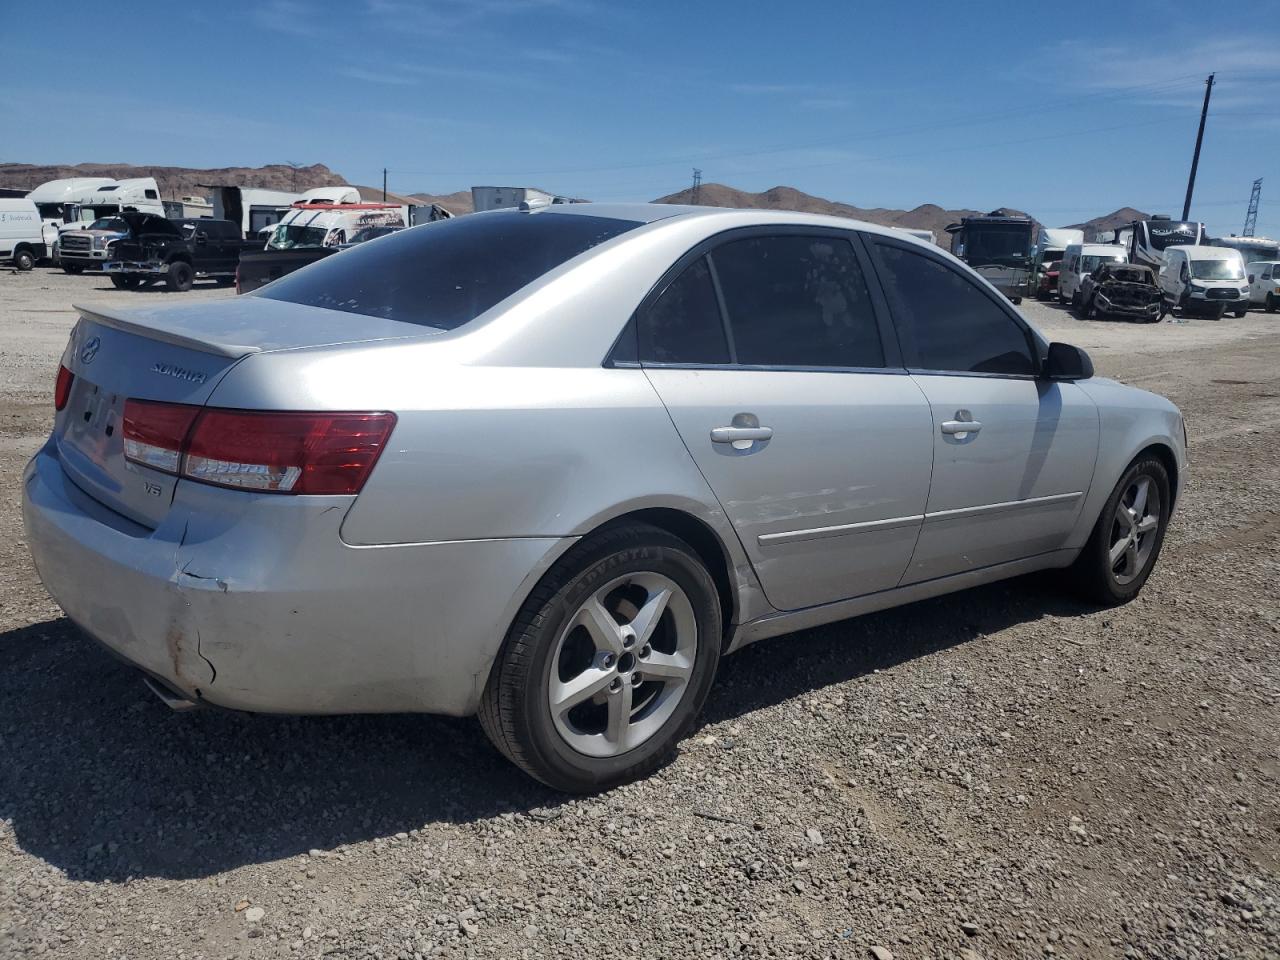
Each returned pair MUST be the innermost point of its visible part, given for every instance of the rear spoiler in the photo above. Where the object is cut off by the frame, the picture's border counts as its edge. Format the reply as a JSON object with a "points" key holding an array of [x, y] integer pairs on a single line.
{"points": [[137, 323]]}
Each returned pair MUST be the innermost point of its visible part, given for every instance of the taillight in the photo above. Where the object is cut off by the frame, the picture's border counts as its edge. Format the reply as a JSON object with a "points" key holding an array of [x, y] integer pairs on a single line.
{"points": [[316, 453], [62, 387], [155, 434]]}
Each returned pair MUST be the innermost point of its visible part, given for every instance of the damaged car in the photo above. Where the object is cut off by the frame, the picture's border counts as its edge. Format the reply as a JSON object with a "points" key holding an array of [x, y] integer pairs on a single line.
{"points": [[1121, 290]]}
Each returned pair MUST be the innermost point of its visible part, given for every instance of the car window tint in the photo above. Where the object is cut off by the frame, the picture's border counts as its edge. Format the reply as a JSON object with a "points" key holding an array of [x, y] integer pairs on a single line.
{"points": [[798, 301], [952, 322], [448, 273], [683, 325]]}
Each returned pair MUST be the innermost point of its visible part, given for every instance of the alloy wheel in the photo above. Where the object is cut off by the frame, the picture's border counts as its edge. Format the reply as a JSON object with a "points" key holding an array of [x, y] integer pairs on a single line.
{"points": [[622, 664], [1133, 530]]}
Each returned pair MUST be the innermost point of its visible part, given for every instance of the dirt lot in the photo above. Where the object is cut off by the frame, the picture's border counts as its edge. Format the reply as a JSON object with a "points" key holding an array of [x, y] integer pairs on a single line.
{"points": [[1001, 773]]}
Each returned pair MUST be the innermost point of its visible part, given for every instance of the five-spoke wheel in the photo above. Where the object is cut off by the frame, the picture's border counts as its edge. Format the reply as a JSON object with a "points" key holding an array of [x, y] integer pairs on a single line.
{"points": [[1127, 536], [608, 663]]}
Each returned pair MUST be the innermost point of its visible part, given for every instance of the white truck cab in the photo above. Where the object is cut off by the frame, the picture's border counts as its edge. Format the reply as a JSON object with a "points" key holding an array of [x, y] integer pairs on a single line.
{"points": [[59, 202], [1264, 284], [332, 224], [1081, 259], [1205, 280]]}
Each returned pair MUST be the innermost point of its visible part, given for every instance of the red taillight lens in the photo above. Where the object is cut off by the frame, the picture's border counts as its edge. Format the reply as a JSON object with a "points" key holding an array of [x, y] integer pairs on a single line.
{"points": [[62, 387], [155, 434], [317, 453]]}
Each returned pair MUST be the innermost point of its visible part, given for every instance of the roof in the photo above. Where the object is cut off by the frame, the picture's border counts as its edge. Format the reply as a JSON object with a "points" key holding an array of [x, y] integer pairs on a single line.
{"points": [[727, 217]]}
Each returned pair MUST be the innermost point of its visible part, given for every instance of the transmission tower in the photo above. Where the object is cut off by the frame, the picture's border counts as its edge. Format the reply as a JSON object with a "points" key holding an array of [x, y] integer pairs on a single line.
{"points": [[1251, 218], [697, 186]]}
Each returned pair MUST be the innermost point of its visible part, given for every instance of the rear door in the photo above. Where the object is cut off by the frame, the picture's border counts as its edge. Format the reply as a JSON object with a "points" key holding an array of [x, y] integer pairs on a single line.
{"points": [[1013, 453], [770, 354]]}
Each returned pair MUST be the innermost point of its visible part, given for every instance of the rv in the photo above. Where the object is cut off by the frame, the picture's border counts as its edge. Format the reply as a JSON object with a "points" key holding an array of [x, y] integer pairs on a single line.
{"points": [[1253, 249], [1145, 241], [502, 198], [251, 207], [188, 208], [999, 246]]}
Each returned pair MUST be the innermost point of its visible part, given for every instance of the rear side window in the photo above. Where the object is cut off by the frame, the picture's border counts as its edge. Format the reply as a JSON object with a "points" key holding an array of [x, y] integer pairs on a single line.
{"points": [[448, 273], [683, 325], [798, 301], [951, 322]]}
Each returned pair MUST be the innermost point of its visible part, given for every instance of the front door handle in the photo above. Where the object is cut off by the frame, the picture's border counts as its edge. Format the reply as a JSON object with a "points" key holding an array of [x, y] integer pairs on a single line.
{"points": [[734, 434], [962, 424]]}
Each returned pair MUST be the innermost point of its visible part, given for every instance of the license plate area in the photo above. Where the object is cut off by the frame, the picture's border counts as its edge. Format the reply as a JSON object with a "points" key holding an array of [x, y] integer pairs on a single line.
{"points": [[94, 422]]}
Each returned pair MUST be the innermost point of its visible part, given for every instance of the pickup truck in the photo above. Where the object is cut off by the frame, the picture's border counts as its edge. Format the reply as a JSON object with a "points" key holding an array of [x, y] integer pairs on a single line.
{"points": [[179, 252]]}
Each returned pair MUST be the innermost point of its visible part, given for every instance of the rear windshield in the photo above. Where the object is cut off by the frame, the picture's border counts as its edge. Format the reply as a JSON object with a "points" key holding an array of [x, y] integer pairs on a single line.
{"points": [[445, 274]]}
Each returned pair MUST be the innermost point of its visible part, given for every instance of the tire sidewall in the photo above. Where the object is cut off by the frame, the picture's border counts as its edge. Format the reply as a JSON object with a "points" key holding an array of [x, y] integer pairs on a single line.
{"points": [[565, 767], [181, 276], [24, 260]]}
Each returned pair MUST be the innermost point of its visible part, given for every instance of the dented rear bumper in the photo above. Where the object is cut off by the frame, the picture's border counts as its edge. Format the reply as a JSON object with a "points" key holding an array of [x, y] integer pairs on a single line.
{"points": [[254, 602]]}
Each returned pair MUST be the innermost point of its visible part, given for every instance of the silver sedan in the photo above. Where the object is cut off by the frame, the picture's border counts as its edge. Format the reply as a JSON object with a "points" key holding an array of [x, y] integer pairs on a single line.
{"points": [[549, 466]]}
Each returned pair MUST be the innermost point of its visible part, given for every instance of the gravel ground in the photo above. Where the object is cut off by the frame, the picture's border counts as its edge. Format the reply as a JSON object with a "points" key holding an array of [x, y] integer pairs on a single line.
{"points": [[999, 773]]}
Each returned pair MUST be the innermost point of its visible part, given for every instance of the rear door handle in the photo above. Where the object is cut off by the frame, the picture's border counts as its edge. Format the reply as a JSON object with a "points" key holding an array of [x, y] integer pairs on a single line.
{"points": [[733, 434], [952, 427]]}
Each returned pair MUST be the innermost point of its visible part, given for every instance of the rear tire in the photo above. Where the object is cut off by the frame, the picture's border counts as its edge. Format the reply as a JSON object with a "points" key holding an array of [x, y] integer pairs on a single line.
{"points": [[24, 260], [1120, 554], [180, 277], [555, 650], [1271, 304]]}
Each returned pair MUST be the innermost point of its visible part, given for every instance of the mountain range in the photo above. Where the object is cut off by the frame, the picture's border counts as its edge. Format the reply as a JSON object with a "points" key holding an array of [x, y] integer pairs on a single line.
{"points": [[185, 181]]}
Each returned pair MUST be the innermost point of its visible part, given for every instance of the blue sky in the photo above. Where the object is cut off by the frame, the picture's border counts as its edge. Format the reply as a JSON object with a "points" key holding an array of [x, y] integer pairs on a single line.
{"points": [[875, 104]]}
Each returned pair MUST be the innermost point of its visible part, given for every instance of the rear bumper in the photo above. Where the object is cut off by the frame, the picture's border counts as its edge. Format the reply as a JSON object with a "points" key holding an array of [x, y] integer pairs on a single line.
{"points": [[253, 602]]}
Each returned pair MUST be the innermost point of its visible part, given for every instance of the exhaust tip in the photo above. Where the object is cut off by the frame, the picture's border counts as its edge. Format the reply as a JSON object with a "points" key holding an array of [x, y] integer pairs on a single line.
{"points": [[171, 698]]}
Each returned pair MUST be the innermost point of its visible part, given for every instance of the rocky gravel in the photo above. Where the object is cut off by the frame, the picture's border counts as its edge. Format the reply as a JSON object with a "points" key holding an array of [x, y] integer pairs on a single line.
{"points": [[1000, 773]]}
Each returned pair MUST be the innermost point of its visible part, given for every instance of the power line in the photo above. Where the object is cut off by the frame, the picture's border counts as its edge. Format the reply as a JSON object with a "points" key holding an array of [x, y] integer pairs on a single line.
{"points": [[1117, 92]]}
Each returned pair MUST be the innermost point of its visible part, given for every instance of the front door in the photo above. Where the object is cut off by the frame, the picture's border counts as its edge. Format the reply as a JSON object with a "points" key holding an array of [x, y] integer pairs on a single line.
{"points": [[1013, 454], [768, 353]]}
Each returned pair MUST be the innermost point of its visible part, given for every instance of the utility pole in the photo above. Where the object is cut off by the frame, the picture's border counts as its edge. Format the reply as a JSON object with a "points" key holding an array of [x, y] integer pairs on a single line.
{"points": [[1251, 217], [384, 184], [697, 186], [1195, 158]]}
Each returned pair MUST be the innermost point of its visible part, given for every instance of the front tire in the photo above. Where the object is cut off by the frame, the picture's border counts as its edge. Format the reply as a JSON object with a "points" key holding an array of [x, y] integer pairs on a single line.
{"points": [[1126, 539], [1271, 303], [180, 277], [1240, 313], [72, 268], [1091, 311], [607, 663]]}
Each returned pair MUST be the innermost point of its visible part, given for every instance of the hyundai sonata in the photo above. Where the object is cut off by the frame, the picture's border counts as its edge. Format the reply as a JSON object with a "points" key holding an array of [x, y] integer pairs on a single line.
{"points": [[549, 465]]}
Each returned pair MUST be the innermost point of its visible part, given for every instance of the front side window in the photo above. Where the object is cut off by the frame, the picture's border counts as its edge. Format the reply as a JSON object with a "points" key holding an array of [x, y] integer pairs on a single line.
{"points": [[445, 274], [951, 321], [684, 325], [798, 301]]}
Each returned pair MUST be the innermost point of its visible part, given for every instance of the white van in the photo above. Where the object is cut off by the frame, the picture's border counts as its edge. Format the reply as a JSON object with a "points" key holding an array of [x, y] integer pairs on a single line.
{"points": [[312, 225], [1264, 284], [1205, 280], [1078, 261], [21, 237]]}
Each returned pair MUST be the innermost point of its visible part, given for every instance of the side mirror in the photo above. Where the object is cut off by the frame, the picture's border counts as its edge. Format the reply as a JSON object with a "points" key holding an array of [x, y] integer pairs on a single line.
{"points": [[1065, 362]]}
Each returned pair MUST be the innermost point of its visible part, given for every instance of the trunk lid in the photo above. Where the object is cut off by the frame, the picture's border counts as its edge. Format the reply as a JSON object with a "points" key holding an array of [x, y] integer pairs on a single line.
{"points": [[176, 355]]}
